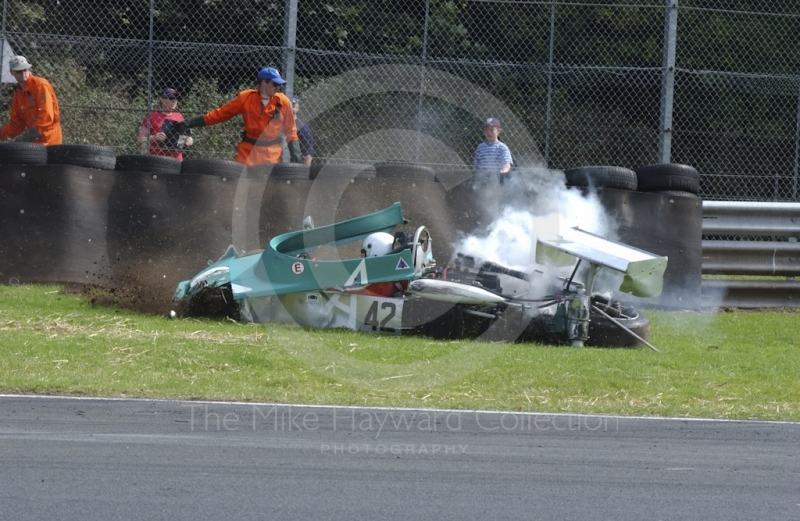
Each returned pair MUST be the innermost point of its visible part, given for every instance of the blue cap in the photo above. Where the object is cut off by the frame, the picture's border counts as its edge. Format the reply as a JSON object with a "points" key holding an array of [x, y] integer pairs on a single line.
{"points": [[271, 74], [491, 122], [166, 92]]}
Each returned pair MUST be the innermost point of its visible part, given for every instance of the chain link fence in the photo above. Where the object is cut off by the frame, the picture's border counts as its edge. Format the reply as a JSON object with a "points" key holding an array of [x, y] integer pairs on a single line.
{"points": [[710, 83]]}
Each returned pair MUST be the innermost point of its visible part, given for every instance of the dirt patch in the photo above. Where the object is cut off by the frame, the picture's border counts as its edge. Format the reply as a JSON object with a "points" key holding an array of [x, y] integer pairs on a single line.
{"points": [[142, 287]]}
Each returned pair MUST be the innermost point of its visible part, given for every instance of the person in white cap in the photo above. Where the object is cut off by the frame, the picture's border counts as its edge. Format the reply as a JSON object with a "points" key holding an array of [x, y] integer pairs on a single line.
{"points": [[266, 114], [492, 155], [34, 107]]}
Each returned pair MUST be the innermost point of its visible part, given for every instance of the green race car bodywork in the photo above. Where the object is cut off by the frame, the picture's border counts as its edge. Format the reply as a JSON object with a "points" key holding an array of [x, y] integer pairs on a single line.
{"points": [[284, 266]]}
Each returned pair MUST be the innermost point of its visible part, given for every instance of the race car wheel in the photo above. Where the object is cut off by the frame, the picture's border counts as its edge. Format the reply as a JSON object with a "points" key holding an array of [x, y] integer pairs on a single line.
{"points": [[88, 156], [282, 171], [347, 171], [218, 167], [605, 333], [448, 326], [22, 153], [668, 176], [614, 177], [211, 303], [148, 163], [404, 171]]}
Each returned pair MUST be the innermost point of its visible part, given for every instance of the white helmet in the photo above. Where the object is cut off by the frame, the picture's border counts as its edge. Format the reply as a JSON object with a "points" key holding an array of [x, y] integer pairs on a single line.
{"points": [[377, 244]]}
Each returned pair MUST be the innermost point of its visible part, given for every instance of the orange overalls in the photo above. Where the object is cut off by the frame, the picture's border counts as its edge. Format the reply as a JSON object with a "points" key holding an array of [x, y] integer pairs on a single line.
{"points": [[261, 142], [34, 106]]}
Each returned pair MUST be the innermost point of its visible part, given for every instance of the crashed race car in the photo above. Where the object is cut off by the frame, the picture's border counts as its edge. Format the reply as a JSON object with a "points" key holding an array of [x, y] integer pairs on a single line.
{"points": [[397, 287]]}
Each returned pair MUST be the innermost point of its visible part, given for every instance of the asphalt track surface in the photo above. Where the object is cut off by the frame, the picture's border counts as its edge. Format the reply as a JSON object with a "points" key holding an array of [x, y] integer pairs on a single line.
{"points": [[95, 459]]}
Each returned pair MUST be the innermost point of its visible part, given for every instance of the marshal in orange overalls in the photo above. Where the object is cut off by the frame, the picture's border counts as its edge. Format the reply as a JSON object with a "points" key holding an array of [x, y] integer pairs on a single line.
{"points": [[263, 124], [35, 106]]}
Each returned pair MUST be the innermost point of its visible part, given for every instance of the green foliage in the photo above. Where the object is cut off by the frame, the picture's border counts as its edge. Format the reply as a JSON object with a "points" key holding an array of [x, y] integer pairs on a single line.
{"points": [[22, 15], [218, 141], [605, 72], [108, 112]]}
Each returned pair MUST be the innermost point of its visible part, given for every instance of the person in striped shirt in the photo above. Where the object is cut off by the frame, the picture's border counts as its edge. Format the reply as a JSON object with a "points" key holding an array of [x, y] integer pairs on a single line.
{"points": [[492, 155]]}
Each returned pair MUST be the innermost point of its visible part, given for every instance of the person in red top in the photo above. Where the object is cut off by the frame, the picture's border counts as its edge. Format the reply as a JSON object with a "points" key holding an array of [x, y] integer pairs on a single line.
{"points": [[34, 108], [158, 128], [266, 113]]}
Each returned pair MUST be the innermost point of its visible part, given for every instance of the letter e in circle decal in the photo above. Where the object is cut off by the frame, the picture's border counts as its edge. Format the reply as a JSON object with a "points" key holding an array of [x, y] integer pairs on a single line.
{"points": [[298, 268]]}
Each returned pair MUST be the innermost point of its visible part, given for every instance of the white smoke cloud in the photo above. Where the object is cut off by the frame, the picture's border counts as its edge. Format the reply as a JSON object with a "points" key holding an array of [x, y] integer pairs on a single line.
{"points": [[537, 202]]}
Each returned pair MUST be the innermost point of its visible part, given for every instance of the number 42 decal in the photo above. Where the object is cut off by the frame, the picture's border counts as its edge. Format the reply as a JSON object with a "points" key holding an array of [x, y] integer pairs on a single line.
{"points": [[372, 314]]}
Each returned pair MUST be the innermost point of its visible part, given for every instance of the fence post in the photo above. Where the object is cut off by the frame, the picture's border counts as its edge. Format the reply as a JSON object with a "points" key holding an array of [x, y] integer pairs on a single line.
{"points": [[145, 147], [289, 44], [422, 80], [796, 145], [3, 48], [549, 84], [668, 82]]}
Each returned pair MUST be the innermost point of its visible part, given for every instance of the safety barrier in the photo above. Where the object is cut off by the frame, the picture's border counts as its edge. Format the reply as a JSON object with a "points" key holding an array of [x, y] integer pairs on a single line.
{"points": [[751, 239], [144, 232]]}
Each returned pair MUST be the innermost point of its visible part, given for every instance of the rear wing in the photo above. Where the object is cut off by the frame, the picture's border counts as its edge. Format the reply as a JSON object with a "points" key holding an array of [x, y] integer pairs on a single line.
{"points": [[643, 271]]}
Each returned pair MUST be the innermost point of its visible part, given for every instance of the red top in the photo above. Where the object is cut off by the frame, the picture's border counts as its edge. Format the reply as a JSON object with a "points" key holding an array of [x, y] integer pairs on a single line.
{"points": [[157, 119]]}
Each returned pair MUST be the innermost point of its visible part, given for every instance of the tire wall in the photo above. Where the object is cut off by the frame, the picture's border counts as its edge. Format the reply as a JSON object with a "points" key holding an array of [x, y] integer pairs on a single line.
{"points": [[52, 223], [87, 226], [664, 225], [163, 229]]}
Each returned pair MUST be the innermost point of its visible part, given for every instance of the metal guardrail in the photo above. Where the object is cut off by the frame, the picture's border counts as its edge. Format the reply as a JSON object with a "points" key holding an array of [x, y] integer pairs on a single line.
{"points": [[745, 225]]}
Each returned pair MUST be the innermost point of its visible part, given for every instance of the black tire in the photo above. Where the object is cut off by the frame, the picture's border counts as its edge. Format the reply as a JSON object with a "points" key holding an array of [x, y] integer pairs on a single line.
{"points": [[290, 171], [668, 176], [676, 193], [217, 167], [262, 171], [615, 177], [605, 333], [161, 165], [347, 171], [88, 156], [22, 153], [404, 171]]}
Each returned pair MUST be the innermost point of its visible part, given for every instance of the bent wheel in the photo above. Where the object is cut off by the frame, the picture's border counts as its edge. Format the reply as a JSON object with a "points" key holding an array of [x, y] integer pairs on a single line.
{"points": [[604, 333]]}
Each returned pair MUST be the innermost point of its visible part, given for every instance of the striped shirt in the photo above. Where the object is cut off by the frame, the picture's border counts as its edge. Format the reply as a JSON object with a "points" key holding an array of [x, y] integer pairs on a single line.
{"points": [[491, 156]]}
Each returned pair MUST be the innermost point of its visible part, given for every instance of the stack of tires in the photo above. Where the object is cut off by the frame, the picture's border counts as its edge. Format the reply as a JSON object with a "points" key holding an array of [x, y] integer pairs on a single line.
{"points": [[158, 165], [613, 177], [671, 179], [13, 153], [348, 171], [87, 156], [222, 168], [404, 171]]}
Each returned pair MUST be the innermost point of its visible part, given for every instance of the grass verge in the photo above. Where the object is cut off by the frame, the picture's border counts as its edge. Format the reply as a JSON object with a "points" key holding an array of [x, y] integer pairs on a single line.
{"points": [[721, 365]]}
